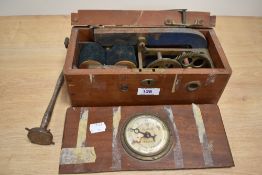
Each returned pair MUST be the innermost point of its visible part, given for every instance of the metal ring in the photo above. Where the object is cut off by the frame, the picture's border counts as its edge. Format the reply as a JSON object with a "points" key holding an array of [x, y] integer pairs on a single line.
{"points": [[193, 86]]}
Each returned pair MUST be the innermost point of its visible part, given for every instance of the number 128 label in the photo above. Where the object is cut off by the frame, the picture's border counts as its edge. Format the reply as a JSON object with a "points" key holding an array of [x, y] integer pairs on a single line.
{"points": [[148, 91]]}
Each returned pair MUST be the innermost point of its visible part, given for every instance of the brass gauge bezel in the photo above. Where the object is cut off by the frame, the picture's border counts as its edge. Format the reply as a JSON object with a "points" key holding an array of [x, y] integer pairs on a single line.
{"points": [[138, 155]]}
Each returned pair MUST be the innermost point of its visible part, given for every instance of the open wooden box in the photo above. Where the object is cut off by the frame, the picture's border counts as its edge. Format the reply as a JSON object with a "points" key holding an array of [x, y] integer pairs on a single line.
{"points": [[110, 95], [104, 87]]}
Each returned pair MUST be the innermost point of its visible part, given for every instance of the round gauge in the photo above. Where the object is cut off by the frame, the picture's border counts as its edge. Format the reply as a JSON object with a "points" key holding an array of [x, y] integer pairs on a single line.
{"points": [[146, 137]]}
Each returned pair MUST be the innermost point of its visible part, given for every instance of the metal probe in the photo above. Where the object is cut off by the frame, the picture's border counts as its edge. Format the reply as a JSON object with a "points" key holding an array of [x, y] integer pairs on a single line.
{"points": [[41, 135]]}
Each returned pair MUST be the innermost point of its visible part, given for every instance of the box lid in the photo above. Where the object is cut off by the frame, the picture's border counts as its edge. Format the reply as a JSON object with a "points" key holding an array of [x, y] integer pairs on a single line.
{"points": [[143, 18], [93, 138]]}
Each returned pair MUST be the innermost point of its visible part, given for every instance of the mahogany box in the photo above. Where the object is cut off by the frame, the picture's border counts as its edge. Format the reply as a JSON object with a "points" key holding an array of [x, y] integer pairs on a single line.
{"points": [[167, 66], [109, 86]]}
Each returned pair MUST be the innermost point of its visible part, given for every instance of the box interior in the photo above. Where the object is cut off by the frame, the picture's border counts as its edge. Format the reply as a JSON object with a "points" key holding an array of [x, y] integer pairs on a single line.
{"points": [[85, 35]]}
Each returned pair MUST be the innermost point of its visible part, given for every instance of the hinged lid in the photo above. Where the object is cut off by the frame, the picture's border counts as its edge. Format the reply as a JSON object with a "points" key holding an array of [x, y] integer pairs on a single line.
{"points": [[141, 18], [100, 139]]}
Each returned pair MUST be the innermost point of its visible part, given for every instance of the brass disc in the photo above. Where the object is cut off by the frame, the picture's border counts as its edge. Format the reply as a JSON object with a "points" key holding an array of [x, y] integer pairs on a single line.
{"points": [[89, 64], [125, 63], [164, 63], [40, 136]]}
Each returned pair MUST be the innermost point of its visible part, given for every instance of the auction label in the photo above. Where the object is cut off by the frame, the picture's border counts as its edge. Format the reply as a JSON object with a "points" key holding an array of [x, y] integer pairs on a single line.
{"points": [[148, 91], [97, 127]]}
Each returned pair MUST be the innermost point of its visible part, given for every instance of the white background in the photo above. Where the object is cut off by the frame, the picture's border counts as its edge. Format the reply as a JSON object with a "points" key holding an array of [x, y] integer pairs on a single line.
{"points": [[65, 7]]}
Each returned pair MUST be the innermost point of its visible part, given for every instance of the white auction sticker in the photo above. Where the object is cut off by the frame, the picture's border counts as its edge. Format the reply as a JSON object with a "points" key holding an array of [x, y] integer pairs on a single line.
{"points": [[148, 91], [97, 127]]}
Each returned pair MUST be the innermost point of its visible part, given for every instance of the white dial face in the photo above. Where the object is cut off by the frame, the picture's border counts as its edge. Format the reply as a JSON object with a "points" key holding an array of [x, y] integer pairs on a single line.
{"points": [[146, 135]]}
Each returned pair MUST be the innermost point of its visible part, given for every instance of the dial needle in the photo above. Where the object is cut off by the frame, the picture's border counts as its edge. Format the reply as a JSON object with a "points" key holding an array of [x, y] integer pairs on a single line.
{"points": [[145, 134]]}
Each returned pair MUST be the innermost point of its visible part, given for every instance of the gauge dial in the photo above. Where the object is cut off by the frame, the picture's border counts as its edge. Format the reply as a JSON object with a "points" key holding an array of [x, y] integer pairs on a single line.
{"points": [[146, 137]]}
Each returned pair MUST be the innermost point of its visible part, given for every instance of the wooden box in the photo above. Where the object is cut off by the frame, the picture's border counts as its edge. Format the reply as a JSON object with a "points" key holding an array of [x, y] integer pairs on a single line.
{"points": [[180, 94], [110, 86]]}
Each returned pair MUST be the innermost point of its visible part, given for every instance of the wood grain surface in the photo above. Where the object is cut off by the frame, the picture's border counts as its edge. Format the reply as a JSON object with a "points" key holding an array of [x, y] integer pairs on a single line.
{"points": [[32, 55], [211, 151], [138, 17]]}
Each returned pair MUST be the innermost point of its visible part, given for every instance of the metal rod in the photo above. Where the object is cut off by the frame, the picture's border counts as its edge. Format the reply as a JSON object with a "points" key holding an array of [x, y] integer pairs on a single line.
{"points": [[49, 110], [40, 135], [159, 55]]}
